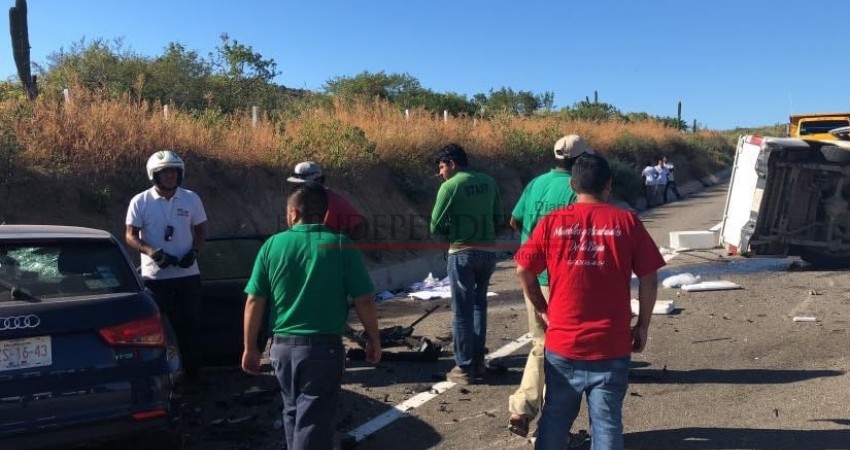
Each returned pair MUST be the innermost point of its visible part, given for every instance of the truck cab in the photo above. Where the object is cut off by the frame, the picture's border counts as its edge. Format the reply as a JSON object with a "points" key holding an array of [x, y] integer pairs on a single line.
{"points": [[816, 126]]}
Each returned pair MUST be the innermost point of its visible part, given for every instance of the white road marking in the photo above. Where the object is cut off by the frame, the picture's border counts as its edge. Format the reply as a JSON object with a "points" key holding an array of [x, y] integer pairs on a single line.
{"points": [[400, 410], [802, 306], [510, 347]]}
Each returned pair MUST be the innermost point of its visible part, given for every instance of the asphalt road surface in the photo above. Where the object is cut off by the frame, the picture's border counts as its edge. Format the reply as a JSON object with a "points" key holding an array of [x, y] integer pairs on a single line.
{"points": [[727, 370]]}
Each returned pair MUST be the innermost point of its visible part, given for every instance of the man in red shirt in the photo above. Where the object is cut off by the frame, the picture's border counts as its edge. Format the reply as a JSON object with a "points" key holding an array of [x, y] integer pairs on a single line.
{"points": [[342, 217], [590, 249]]}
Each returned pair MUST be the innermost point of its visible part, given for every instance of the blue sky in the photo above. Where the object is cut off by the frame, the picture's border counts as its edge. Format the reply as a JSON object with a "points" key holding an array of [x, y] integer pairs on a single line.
{"points": [[730, 62]]}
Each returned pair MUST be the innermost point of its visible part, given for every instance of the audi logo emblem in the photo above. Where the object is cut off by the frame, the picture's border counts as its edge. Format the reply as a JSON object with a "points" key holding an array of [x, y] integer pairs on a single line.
{"points": [[19, 322]]}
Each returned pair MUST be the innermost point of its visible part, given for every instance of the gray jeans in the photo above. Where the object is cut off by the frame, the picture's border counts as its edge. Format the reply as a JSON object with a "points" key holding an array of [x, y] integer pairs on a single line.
{"points": [[309, 370]]}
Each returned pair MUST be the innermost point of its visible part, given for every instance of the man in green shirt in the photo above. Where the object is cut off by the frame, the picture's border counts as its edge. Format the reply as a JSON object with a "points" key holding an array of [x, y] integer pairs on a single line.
{"points": [[468, 212], [543, 194], [306, 275]]}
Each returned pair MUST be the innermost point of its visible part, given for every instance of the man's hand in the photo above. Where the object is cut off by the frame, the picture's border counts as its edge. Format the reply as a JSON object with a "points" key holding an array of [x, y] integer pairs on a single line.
{"points": [[188, 259], [254, 307], [163, 259], [544, 319], [373, 351], [251, 361], [639, 337]]}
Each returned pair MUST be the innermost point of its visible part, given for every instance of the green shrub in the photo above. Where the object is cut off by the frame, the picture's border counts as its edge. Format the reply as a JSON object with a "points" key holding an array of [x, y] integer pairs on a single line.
{"points": [[715, 146], [634, 150], [628, 184], [332, 143]]}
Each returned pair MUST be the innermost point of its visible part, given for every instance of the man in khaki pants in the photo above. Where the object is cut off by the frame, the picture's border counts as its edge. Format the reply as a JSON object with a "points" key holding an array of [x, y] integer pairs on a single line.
{"points": [[543, 194]]}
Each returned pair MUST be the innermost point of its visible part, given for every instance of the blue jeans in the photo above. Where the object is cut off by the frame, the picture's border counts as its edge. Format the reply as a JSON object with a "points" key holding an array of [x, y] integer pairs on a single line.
{"points": [[309, 370], [469, 273], [603, 381]]}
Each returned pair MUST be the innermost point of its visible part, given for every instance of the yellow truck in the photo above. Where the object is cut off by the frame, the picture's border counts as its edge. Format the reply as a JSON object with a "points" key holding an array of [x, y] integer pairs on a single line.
{"points": [[817, 126]]}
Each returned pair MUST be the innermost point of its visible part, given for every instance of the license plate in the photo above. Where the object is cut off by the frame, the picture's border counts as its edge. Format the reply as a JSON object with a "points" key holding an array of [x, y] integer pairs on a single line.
{"points": [[25, 353]]}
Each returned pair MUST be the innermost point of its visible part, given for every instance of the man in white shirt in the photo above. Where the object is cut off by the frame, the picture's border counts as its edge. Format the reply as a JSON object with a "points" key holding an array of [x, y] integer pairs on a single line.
{"points": [[671, 182], [167, 225], [649, 175], [661, 178]]}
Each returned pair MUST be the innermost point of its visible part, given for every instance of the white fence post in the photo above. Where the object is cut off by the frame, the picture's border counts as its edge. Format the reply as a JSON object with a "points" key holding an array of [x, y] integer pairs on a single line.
{"points": [[445, 115], [406, 114], [255, 115], [165, 111], [67, 95]]}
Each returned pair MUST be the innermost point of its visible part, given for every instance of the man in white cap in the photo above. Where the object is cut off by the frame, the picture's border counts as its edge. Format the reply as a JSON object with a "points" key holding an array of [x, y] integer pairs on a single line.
{"points": [[543, 194], [167, 225], [341, 217]]}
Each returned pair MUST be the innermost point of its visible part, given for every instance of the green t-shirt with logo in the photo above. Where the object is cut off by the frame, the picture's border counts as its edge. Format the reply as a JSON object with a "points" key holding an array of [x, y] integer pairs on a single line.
{"points": [[308, 273], [468, 210], [543, 194]]}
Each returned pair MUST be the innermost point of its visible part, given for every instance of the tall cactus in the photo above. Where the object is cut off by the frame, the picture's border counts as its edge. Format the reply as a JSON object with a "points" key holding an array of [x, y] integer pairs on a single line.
{"points": [[21, 46], [679, 113], [595, 97]]}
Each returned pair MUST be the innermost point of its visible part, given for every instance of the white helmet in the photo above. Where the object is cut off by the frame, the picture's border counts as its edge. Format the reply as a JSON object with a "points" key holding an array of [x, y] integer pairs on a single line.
{"points": [[165, 159]]}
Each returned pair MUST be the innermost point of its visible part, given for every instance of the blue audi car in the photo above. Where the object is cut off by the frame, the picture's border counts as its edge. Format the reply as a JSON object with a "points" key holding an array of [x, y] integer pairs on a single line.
{"points": [[84, 352]]}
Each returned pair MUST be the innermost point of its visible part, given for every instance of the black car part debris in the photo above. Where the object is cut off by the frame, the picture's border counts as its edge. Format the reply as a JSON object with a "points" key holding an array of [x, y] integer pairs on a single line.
{"points": [[420, 348]]}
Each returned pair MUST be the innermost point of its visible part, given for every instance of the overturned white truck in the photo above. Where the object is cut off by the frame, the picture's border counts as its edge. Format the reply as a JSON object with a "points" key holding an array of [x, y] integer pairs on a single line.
{"points": [[789, 196]]}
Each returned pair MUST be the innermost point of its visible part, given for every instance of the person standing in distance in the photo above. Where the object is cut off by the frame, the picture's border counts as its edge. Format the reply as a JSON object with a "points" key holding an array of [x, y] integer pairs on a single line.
{"points": [[304, 277], [167, 225], [468, 211], [649, 175], [543, 194], [591, 249], [661, 177], [671, 179], [342, 216]]}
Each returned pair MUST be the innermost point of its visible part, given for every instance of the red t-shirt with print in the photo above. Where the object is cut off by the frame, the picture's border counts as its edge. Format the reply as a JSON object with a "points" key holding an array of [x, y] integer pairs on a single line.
{"points": [[341, 217], [590, 250]]}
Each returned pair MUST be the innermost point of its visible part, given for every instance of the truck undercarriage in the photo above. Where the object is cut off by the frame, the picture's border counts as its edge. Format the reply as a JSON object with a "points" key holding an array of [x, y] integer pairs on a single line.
{"points": [[804, 209]]}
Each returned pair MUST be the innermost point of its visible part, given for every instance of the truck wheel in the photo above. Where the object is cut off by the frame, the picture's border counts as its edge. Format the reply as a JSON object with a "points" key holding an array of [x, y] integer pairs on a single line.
{"points": [[826, 260], [835, 154]]}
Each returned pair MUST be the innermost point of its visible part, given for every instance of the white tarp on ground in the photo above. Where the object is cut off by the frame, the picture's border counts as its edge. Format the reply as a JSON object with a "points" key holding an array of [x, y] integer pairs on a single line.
{"points": [[661, 307], [433, 288], [720, 285], [438, 292]]}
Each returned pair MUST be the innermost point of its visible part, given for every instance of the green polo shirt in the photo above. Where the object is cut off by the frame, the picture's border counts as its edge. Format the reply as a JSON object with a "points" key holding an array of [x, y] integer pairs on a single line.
{"points": [[543, 194], [307, 273], [468, 210]]}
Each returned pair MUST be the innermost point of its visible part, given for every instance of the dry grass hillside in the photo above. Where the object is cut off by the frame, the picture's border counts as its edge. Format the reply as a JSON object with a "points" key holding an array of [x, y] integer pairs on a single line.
{"points": [[79, 163]]}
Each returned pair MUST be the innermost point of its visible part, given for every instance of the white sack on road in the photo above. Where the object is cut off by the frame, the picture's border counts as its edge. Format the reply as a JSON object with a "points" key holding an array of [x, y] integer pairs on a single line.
{"points": [[680, 280]]}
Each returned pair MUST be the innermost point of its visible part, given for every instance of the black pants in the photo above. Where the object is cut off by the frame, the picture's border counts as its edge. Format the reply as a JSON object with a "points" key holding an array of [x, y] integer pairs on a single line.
{"points": [[309, 370], [179, 299], [649, 191], [671, 185]]}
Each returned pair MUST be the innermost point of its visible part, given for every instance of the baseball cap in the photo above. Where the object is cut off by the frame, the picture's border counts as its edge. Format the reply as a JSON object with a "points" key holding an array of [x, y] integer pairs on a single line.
{"points": [[305, 172], [571, 146]]}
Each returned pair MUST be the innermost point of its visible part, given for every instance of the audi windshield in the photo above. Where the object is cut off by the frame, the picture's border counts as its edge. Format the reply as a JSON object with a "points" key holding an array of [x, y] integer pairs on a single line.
{"points": [[40, 271]]}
